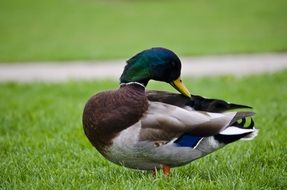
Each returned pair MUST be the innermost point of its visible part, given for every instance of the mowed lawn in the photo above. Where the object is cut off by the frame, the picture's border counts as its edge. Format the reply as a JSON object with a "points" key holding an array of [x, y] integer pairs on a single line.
{"points": [[46, 30], [43, 145]]}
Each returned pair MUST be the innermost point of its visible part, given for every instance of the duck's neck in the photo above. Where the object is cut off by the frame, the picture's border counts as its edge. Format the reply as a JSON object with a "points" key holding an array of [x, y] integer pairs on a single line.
{"points": [[133, 84]]}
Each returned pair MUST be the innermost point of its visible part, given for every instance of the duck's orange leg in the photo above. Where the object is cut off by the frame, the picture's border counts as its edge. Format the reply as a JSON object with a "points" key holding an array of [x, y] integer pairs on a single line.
{"points": [[166, 170]]}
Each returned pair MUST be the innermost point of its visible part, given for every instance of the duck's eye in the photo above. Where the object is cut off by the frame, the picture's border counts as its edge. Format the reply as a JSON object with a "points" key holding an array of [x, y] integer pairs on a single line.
{"points": [[173, 64]]}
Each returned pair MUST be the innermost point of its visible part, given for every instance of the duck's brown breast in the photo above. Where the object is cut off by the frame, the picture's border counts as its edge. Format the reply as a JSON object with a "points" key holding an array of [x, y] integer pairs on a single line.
{"points": [[108, 113]]}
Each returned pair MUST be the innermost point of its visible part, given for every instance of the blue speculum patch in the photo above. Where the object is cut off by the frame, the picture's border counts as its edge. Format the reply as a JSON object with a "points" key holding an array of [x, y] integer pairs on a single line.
{"points": [[188, 140]]}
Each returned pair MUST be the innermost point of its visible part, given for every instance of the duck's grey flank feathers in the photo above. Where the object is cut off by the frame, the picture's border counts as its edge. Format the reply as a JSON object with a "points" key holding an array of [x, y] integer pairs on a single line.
{"points": [[161, 118]]}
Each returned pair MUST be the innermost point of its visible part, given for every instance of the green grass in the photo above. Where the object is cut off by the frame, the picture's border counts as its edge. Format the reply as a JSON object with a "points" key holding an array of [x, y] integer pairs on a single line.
{"points": [[43, 145], [33, 30]]}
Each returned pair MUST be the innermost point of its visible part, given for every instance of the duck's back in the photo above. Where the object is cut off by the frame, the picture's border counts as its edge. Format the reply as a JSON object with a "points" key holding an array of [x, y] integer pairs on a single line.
{"points": [[108, 113]]}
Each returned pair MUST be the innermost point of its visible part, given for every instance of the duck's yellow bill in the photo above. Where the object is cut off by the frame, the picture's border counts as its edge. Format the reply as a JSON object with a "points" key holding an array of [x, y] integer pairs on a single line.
{"points": [[178, 85]]}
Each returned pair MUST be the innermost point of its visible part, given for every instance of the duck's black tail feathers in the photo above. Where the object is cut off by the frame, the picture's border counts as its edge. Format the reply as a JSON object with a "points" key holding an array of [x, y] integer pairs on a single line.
{"points": [[196, 102], [212, 105]]}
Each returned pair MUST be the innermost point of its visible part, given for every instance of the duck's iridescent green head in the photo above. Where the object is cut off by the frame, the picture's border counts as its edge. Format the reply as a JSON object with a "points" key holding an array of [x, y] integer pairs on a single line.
{"points": [[156, 63]]}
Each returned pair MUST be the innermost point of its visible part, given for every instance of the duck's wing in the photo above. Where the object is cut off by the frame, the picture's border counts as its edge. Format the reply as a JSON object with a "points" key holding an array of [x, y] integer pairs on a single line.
{"points": [[195, 102], [164, 121]]}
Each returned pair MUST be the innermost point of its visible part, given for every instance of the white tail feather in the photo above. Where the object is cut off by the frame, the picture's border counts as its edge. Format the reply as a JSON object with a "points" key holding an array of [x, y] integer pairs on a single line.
{"points": [[251, 135], [235, 131]]}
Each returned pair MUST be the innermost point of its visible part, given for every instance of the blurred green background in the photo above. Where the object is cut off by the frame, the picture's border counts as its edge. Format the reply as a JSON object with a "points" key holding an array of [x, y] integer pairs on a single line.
{"points": [[35, 30], [42, 143]]}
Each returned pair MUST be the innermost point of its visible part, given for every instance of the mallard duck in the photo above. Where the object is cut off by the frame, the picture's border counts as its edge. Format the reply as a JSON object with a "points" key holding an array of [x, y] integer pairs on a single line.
{"points": [[151, 130]]}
